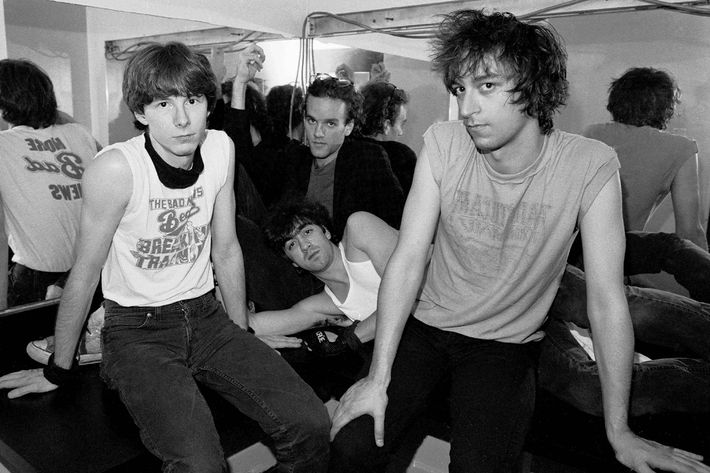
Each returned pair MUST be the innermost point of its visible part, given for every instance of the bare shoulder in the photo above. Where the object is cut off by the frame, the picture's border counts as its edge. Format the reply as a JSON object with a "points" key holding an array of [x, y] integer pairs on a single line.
{"points": [[367, 236], [108, 177]]}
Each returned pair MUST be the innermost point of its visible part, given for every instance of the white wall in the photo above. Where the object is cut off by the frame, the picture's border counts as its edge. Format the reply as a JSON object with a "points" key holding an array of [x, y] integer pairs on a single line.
{"points": [[602, 47]]}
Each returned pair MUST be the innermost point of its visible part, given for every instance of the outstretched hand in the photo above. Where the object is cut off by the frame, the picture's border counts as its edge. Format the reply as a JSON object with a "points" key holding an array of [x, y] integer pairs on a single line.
{"points": [[249, 61], [280, 341], [643, 456], [25, 382], [364, 397]]}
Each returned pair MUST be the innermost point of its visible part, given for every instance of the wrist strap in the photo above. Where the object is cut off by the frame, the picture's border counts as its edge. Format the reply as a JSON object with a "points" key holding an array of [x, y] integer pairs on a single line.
{"points": [[60, 376]]}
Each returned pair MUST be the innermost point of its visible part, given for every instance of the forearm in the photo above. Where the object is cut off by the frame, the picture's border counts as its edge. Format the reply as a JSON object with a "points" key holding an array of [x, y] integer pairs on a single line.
{"points": [[229, 270], [73, 309], [284, 322], [4, 267], [366, 329], [613, 347], [694, 233], [396, 297]]}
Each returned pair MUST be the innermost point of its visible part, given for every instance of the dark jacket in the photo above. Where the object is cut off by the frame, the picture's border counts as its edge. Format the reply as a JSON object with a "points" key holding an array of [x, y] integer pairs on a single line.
{"points": [[363, 181], [402, 159]]}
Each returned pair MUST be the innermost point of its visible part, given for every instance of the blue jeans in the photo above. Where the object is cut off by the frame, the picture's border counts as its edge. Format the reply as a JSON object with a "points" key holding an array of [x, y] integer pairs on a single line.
{"points": [[490, 404], [156, 357], [673, 327]]}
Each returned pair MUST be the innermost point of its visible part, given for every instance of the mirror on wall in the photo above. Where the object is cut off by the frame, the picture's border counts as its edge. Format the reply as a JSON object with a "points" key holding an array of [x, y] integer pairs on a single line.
{"points": [[80, 47]]}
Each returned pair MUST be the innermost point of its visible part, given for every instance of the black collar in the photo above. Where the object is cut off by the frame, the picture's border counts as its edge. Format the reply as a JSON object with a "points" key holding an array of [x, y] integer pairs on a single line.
{"points": [[172, 177]]}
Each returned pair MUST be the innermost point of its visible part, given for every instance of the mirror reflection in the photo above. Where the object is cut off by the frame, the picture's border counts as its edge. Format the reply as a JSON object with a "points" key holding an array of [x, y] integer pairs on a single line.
{"points": [[80, 49]]}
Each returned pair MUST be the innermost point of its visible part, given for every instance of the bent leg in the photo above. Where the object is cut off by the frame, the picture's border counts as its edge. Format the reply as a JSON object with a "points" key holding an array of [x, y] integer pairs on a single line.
{"points": [[258, 382], [145, 364], [491, 405], [654, 252], [417, 369], [677, 324], [663, 385]]}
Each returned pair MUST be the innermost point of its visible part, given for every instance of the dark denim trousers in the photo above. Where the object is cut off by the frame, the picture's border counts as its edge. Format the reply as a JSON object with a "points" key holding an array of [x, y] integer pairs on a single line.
{"points": [[156, 357], [27, 285], [490, 403], [673, 328], [655, 252]]}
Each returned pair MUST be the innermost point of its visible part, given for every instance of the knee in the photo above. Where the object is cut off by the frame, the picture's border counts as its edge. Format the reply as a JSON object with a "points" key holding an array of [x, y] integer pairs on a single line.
{"points": [[354, 449]]}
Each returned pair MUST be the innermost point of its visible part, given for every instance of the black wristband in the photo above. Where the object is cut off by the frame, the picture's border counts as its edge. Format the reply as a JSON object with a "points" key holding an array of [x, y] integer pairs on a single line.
{"points": [[57, 375]]}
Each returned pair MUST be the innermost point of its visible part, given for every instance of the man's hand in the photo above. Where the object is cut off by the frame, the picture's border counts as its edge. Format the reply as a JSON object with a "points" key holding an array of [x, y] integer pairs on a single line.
{"points": [[249, 62], [25, 382], [280, 341], [364, 397], [643, 456]]}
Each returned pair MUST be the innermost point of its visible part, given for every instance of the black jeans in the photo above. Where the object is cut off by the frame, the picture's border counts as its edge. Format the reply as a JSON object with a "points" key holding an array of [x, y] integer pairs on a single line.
{"points": [[491, 399]]}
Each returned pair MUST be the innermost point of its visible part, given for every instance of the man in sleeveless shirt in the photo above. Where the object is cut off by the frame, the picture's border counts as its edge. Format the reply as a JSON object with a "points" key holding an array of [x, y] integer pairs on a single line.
{"points": [[158, 213], [501, 193]]}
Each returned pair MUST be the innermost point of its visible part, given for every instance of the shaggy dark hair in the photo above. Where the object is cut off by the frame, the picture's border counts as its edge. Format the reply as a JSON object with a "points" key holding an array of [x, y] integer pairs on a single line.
{"points": [[532, 55], [278, 103], [158, 71], [339, 89], [643, 96], [26, 94], [286, 219], [382, 102]]}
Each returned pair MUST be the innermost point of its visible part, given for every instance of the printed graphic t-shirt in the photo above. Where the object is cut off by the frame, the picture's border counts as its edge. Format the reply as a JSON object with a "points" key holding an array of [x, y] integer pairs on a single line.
{"points": [[160, 252], [502, 239], [41, 192]]}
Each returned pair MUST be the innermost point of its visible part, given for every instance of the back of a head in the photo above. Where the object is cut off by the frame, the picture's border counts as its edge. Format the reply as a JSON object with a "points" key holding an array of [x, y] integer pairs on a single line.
{"points": [[281, 107], [26, 94], [470, 41], [285, 219], [381, 102], [337, 89], [159, 71], [643, 96]]}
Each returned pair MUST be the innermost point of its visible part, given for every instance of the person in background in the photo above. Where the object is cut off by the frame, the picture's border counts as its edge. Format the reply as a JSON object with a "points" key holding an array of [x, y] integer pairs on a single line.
{"points": [[346, 175], [41, 186], [654, 162], [383, 118], [501, 193], [157, 218]]}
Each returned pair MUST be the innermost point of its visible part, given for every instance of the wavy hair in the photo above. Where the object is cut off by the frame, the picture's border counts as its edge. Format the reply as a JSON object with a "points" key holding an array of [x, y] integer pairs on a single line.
{"points": [[382, 102], [532, 55], [643, 96]]}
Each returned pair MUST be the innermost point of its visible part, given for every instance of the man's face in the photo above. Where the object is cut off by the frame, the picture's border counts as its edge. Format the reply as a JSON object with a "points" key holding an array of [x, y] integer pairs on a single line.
{"points": [[485, 106], [310, 248], [176, 125], [326, 127]]}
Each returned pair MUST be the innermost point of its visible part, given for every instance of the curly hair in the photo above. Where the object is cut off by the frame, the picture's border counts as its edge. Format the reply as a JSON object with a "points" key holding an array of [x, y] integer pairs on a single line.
{"points": [[159, 71], [339, 89], [278, 104], [288, 218], [533, 56], [382, 102], [643, 96], [26, 94]]}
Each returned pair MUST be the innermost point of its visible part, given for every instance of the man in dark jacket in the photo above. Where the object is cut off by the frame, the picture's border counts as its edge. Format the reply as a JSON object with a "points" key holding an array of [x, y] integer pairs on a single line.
{"points": [[343, 174]]}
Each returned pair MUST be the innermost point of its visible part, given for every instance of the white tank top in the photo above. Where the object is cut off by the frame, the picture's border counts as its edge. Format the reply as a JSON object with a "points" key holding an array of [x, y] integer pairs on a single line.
{"points": [[160, 252], [361, 301]]}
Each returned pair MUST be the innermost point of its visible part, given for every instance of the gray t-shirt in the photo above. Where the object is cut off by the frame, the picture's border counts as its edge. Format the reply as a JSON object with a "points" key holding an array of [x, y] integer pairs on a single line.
{"points": [[502, 239], [320, 185]]}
